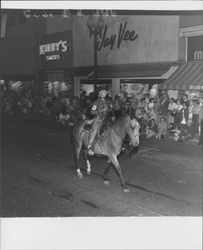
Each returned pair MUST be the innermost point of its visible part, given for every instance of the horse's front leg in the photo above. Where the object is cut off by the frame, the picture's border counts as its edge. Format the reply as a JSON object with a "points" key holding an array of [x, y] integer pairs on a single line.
{"points": [[87, 161], [106, 181], [115, 162], [77, 151]]}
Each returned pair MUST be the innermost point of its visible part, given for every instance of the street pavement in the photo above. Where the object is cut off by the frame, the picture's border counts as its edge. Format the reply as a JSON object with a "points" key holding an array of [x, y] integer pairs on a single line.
{"points": [[38, 176]]}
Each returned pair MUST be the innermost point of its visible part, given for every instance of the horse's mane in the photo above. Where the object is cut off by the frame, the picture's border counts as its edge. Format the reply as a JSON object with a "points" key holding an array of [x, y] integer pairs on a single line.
{"points": [[121, 121]]}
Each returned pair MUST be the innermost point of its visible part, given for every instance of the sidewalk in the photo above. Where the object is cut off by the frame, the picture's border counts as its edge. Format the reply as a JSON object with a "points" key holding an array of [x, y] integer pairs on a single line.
{"points": [[53, 120], [193, 141]]}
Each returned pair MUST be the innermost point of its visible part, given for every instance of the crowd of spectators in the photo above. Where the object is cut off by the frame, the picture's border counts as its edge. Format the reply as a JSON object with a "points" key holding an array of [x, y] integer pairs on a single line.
{"points": [[158, 117], [26, 104], [182, 115]]}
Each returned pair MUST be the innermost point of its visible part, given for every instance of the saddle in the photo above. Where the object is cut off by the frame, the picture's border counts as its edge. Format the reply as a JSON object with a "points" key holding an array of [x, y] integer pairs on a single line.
{"points": [[105, 125], [88, 125]]}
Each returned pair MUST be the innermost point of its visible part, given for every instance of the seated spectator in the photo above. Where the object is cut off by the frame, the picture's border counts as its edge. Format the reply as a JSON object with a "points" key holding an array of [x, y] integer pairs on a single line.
{"points": [[152, 114], [152, 129], [178, 137], [162, 129]]}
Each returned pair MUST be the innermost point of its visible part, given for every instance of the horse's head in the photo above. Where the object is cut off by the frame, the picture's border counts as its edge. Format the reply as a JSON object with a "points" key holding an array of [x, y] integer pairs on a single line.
{"points": [[132, 129]]}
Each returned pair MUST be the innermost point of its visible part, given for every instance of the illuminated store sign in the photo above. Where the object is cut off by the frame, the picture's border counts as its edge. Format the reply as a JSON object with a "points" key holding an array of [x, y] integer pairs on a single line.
{"points": [[56, 50], [58, 47], [61, 46]]}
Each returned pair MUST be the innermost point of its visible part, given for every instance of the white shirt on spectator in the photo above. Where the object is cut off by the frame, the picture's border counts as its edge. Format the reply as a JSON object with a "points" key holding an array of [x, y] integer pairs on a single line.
{"points": [[172, 106], [179, 107]]}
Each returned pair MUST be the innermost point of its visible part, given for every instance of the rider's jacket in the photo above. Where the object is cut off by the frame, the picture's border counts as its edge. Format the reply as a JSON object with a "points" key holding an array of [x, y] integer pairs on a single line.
{"points": [[97, 108]]}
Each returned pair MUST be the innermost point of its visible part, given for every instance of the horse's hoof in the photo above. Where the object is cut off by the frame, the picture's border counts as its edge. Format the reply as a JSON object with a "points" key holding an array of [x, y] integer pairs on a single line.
{"points": [[88, 172], [80, 176], [126, 190], [106, 183]]}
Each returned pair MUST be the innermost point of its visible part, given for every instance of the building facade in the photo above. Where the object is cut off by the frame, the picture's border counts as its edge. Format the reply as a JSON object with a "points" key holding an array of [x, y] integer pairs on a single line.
{"points": [[189, 74], [131, 50]]}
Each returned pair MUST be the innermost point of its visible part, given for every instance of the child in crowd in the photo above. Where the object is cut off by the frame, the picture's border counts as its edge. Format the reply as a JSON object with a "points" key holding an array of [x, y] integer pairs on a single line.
{"points": [[151, 129], [162, 129]]}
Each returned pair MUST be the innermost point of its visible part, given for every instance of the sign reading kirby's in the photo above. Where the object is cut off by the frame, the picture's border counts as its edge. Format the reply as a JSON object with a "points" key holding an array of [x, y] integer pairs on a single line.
{"points": [[56, 50]]}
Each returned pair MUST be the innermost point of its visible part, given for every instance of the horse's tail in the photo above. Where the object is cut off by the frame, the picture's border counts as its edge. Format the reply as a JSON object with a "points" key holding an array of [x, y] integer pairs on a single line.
{"points": [[77, 138]]}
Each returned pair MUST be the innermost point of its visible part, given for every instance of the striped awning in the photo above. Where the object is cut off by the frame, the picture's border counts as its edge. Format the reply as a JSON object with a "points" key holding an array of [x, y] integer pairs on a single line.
{"points": [[188, 76]]}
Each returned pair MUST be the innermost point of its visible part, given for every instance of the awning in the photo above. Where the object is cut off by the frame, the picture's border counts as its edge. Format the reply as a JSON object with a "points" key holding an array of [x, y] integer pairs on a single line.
{"points": [[17, 77], [137, 70], [188, 76]]}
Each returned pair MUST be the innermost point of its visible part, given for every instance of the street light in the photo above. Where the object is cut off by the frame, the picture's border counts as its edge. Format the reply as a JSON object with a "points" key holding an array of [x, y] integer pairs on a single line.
{"points": [[95, 29]]}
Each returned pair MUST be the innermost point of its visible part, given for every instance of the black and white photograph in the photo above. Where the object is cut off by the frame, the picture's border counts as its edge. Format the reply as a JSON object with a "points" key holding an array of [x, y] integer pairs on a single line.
{"points": [[101, 113]]}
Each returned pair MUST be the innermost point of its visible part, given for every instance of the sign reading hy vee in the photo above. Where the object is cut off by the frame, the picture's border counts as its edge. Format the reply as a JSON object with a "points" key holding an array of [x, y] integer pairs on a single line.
{"points": [[56, 50], [116, 39]]}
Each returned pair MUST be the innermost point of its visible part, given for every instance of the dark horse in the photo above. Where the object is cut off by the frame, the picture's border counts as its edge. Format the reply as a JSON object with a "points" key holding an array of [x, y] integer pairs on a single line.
{"points": [[110, 144]]}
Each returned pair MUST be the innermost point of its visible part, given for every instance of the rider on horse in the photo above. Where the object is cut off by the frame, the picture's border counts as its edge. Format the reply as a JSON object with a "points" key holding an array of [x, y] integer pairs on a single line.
{"points": [[100, 109]]}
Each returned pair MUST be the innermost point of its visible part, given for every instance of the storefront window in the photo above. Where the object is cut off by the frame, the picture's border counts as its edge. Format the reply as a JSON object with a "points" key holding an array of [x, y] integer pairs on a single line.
{"points": [[56, 82], [56, 87], [18, 86], [88, 85], [88, 88], [136, 89]]}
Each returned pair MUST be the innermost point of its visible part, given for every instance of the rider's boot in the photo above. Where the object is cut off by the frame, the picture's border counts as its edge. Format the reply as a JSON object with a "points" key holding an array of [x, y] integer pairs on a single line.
{"points": [[91, 140], [89, 147]]}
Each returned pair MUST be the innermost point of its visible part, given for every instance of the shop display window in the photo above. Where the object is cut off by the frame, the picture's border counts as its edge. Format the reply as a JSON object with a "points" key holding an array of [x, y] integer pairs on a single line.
{"points": [[56, 87], [136, 89], [88, 85]]}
